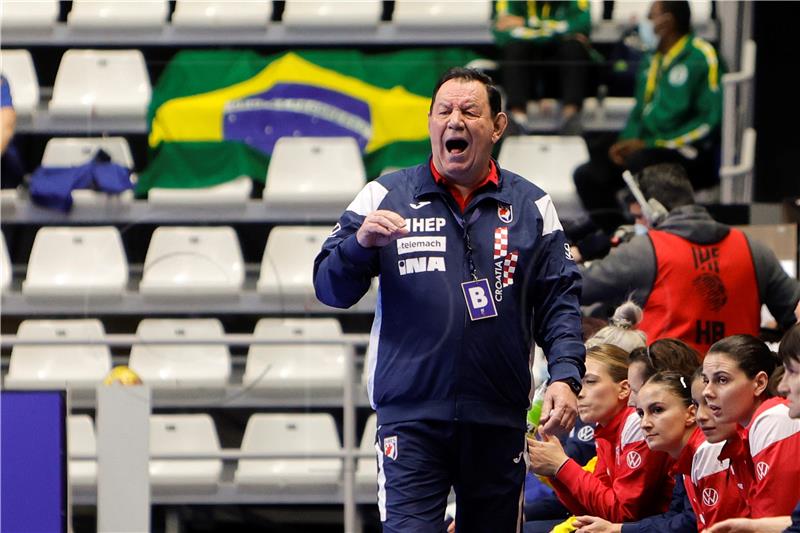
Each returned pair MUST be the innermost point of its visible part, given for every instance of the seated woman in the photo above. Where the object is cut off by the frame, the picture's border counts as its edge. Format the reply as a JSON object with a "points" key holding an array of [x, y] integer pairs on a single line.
{"points": [[625, 468], [736, 373], [676, 420], [789, 352]]}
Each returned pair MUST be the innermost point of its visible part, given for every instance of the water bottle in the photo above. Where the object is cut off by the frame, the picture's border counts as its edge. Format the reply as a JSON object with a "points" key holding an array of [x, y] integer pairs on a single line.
{"points": [[535, 412]]}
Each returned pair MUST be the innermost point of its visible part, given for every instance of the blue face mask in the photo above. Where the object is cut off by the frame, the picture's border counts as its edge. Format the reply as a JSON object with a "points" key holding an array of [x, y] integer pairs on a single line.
{"points": [[647, 34], [640, 229]]}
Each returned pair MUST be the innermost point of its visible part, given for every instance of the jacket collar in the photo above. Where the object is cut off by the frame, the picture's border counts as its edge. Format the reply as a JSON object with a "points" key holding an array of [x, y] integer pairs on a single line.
{"points": [[684, 463], [426, 185], [612, 430]]}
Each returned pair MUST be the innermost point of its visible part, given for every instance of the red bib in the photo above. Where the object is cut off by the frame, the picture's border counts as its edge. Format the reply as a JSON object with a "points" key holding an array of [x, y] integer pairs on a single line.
{"points": [[702, 293]]}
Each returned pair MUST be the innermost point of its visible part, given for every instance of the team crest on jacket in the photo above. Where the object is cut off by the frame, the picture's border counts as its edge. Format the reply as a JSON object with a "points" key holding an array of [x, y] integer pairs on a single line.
{"points": [[505, 213], [390, 447]]}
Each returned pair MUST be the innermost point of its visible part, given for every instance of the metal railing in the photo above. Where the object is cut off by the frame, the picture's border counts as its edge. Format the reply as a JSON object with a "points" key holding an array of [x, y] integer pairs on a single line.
{"points": [[738, 135], [349, 450]]}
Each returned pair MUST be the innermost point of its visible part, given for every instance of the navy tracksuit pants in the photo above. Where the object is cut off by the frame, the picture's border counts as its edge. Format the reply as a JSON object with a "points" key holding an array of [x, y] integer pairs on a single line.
{"points": [[418, 462]]}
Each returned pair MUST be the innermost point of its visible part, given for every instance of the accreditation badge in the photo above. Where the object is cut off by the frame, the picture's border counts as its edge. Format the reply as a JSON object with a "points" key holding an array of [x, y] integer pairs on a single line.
{"points": [[478, 296]]}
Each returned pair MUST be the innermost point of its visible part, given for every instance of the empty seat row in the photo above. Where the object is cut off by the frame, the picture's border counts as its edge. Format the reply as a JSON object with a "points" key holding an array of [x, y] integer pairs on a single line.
{"points": [[302, 170], [186, 262], [153, 14], [278, 369], [89, 83], [312, 434], [312, 170]]}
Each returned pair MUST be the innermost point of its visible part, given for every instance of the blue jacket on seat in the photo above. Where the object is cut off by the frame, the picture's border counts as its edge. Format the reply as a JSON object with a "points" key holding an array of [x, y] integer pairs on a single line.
{"points": [[52, 186], [426, 358]]}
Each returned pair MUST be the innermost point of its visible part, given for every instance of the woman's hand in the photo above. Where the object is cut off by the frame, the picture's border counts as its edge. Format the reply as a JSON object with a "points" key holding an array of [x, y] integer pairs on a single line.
{"points": [[546, 455]]}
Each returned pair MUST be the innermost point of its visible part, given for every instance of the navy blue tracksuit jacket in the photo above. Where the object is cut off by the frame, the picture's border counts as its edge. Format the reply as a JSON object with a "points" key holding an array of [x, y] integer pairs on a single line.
{"points": [[427, 359]]}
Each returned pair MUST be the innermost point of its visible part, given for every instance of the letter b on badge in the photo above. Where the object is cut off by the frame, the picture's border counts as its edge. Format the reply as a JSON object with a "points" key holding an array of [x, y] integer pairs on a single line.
{"points": [[477, 294], [478, 297]]}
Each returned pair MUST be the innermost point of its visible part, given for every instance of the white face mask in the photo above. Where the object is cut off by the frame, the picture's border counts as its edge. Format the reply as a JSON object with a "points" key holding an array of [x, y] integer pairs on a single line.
{"points": [[640, 229], [647, 34]]}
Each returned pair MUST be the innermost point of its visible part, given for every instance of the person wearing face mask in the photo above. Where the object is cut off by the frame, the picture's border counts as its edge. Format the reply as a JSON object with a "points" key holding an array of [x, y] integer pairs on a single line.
{"points": [[697, 280], [676, 117]]}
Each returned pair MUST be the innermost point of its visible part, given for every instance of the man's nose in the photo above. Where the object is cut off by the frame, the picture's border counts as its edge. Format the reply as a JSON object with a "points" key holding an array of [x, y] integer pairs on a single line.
{"points": [[456, 119]]}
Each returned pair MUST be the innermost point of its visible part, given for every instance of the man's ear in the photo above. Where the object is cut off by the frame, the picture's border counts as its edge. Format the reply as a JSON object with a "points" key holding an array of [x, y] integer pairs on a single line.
{"points": [[500, 124]]}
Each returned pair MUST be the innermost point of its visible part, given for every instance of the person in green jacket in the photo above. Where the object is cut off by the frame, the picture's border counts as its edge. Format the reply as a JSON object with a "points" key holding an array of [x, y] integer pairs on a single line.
{"points": [[676, 118], [541, 41]]}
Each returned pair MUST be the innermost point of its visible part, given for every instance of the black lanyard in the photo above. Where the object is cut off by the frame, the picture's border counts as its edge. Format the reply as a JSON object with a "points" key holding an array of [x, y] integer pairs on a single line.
{"points": [[467, 242]]}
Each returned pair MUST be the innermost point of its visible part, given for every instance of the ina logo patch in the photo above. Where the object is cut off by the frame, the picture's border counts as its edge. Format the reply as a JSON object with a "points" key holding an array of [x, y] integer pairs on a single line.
{"points": [[390, 447], [710, 497], [633, 459], [678, 75], [505, 213]]}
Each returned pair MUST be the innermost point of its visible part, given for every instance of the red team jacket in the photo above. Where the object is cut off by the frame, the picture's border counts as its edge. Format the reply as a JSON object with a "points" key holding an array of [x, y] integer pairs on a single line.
{"points": [[626, 470], [773, 441], [712, 488]]}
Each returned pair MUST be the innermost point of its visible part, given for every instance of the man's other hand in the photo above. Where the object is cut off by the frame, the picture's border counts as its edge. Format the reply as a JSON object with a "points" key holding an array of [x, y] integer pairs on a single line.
{"points": [[380, 228]]}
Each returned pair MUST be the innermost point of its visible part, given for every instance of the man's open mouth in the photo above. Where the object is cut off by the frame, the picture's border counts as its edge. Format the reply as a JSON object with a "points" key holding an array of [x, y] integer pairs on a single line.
{"points": [[456, 146]]}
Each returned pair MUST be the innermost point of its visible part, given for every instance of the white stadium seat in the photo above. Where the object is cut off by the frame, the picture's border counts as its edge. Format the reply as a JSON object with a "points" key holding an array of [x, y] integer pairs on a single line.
{"points": [[209, 14], [286, 369], [27, 15], [348, 13], [77, 262], [596, 8], [312, 170], [81, 440], [468, 13], [232, 193], [367, 467], [116, 14], [632, 11], [193, 261], [102, 83], [181, 366], [548, 162], [184, 434], [290, 433], [54, 367], [17, 67], [74, 151], [288, 262], [5, 265]]}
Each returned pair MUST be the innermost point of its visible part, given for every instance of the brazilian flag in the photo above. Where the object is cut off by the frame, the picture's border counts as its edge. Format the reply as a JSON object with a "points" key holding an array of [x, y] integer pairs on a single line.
{"points": [[216, 115]]}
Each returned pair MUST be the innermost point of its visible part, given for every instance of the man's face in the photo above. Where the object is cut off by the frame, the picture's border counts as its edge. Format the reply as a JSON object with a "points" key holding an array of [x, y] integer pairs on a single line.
{"points": [[463, 131], [662, 22]]}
